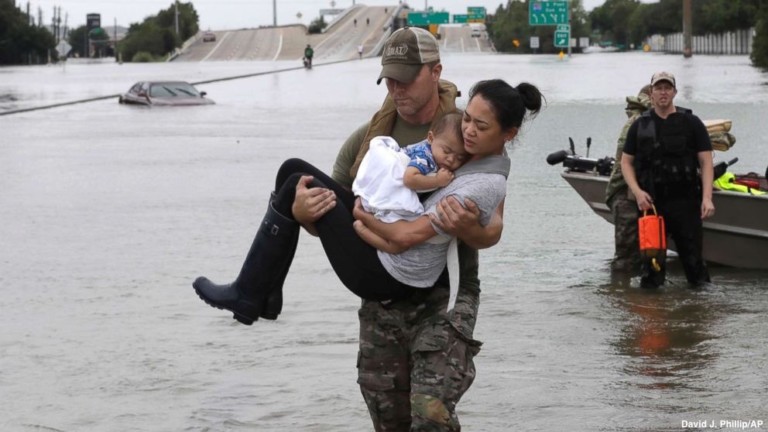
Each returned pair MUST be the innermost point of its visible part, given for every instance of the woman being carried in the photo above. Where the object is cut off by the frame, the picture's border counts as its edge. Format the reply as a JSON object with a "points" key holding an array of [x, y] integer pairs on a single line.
{"points": [[493, 116]]}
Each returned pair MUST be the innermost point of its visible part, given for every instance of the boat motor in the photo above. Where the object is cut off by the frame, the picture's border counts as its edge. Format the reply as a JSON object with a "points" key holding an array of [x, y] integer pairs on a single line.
{"points": [[602, 166], [722, 167], [574, 162]]}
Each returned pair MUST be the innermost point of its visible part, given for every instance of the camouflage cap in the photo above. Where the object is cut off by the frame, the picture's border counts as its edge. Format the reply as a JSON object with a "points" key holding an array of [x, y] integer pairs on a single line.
{"points": [[405, 52], [663, 76], [642, 101]]}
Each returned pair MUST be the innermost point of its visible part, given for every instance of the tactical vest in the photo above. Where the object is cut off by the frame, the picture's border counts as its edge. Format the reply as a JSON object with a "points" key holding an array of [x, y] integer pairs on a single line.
{"points": [[668, 159]]}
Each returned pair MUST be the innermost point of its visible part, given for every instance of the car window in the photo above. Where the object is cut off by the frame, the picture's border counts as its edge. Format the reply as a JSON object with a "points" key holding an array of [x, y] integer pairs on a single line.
{"points": [[173, 90]]}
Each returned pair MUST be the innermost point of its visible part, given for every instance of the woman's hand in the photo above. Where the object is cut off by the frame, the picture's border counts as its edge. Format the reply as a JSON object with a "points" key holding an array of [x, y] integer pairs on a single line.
{"points": [[453, 218], [464, 222]]}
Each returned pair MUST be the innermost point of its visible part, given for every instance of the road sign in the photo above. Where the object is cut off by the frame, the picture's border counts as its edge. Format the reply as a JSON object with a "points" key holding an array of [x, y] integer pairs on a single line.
{"points": [[63, 48], [561, 39], [563, 27], [475, 14], [534, 42], [459, 18], [423, 19], [547, 12]]}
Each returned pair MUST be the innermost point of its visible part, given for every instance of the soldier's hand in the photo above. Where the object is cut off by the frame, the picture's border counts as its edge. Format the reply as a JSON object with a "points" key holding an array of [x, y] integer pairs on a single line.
{"points": [[310, 204], [644, 201], [707, 208]]}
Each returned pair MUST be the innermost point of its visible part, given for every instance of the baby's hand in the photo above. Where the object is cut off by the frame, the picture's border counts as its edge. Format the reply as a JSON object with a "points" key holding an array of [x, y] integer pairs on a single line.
{"points": [[444, 177]]}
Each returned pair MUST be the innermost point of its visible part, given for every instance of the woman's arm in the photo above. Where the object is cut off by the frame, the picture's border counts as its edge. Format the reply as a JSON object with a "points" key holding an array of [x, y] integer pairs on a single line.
{"points": [[393, 237], [464, 223]]}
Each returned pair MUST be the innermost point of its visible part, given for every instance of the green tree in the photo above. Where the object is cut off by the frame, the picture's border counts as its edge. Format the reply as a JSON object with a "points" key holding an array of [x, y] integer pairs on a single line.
{"points": [[156, 37], [759, 54], [78, 39], [317, 25], [719, 16], [510, 23], [21, 42], [611, 22]]}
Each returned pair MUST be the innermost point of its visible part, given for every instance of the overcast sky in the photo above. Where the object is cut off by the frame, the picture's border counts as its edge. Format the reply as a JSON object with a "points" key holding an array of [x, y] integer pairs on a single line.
{"points": [[234, 14]]}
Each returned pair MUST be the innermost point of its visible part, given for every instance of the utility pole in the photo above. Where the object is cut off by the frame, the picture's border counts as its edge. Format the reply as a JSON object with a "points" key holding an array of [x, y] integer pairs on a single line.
{"points": [[687, 29], [176, 4], [274, 13]]}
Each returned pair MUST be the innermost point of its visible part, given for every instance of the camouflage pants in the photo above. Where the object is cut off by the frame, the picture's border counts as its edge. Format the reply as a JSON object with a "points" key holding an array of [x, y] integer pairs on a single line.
{"points": [[626, 256], [416, 361]]}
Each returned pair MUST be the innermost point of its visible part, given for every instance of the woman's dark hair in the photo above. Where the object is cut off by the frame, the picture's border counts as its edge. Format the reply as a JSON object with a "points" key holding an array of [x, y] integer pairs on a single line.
{"points": [[449, 122], [509, 103]]}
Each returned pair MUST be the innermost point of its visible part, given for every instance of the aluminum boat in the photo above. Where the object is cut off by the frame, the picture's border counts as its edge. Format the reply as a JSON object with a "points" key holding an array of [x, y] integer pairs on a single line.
{"points": [[736, 236]]}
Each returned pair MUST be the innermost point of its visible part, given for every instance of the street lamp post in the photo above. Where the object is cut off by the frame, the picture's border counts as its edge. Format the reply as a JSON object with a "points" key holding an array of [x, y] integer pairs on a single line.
{"points": [[687, 29]]}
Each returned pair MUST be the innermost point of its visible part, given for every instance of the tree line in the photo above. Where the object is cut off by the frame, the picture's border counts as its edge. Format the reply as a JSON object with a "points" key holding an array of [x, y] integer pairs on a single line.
{"points": [[151, 40], [621, 23], [22, 42], [625, 24]]}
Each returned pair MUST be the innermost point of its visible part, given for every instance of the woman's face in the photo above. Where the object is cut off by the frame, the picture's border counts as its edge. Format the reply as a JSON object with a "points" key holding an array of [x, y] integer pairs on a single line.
{"points": [[482, 132]]}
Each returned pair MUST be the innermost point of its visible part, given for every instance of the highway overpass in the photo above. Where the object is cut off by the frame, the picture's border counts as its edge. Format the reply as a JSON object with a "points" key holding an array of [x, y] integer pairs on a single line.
{"points": [[358, 25]]}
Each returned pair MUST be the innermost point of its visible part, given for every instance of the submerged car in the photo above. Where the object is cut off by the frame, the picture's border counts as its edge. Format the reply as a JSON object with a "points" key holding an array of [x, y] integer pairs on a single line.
{"points": [[164, 93]]}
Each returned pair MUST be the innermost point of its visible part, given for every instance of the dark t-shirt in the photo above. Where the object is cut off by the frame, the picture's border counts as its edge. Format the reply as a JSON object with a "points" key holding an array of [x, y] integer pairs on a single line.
{"points": [[699, 132]]}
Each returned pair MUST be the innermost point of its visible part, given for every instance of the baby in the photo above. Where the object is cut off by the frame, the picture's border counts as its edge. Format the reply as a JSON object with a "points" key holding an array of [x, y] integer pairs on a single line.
{"points": [[390, 176]]}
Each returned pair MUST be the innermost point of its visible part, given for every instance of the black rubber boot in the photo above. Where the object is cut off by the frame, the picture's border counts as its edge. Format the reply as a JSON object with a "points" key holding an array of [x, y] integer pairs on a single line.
{"points": [[274, 303], [263, 272]]}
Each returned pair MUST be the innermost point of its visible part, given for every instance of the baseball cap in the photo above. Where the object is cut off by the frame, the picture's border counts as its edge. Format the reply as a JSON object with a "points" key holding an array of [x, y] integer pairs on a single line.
{"points": [[663, 76], [405, 52]]}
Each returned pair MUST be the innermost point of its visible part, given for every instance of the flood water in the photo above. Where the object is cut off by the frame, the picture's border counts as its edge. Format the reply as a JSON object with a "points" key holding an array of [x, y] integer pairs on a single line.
{"points": [[109, 212]]}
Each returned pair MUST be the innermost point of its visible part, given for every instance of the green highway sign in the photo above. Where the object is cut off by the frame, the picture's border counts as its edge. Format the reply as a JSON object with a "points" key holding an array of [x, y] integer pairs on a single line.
{"points": [[423, 19], [545, 12], [561, 39], [476, 14], [457, 18]]}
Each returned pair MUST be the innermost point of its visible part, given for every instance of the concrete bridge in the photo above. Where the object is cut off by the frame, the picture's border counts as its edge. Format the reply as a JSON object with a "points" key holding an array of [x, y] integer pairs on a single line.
{"points": [[368, 26]]}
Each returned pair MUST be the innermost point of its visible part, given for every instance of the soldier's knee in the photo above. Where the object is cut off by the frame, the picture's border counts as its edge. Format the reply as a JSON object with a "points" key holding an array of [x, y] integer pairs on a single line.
{"points": [[432, 414]]}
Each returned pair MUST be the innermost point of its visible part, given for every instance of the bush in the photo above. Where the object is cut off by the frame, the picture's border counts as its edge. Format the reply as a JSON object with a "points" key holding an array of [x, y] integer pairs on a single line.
{"points": [[317, 26], [143, 57]]}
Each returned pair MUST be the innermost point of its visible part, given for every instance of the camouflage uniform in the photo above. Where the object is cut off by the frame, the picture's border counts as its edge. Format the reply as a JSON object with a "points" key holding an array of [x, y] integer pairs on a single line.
{"points": [[627, 250], [416, 360]]}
